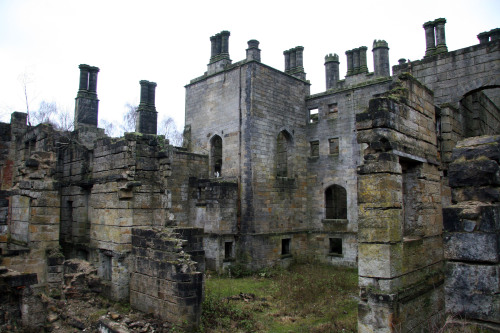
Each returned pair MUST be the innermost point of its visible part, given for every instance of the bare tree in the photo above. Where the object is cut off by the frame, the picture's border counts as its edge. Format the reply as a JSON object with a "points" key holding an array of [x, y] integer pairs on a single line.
{"points": [[168, 128], [128, 124]]}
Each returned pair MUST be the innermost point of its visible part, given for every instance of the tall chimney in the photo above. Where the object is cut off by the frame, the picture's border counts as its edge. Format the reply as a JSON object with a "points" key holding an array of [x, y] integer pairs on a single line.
{"points": [[253, 51], [332, 70], [146, 118], [86, 102], [219, 52], [440, 35], [381, 58], [294, 62], [430, 46], [350, 69], [363, 66]]}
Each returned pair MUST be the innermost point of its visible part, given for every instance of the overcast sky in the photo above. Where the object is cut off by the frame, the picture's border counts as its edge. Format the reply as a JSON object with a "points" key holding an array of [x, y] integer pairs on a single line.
{"points": [[168, 42]]}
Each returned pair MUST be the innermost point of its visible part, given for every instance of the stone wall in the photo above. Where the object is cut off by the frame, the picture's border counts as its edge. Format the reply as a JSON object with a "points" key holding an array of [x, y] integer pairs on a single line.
{"points": [[337, 111], [164, 278], [472, 232], [399, 204]]}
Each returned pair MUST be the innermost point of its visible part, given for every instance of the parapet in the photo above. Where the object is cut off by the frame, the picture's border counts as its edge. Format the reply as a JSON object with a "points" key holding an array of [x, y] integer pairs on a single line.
{"points": [[489, 36]]}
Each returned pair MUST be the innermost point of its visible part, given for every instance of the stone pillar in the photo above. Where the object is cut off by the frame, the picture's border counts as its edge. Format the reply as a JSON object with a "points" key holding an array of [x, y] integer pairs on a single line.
{"points": [[331, 70], [287, 60], [355, 60], [253, 51], [430, 48], [350, 70], [440, 35], [93, 79], [363, 66], [225, 42], [87, 104], [84, 77], [146, 116], [381, 58]]}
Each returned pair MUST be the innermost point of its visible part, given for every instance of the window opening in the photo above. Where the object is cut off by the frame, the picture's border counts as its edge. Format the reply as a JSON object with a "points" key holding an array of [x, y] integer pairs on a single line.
{"points": [[285, 246], [228, 250], [335, 246], [217, 156], [333, 108], [314, 148], [336, 202], [313, 116], [282, 155], [106, 267], [334, 146]]}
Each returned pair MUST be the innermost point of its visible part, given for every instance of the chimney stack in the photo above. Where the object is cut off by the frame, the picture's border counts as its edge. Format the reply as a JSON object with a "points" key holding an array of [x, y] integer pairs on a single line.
{"points": [[146, 118], [253, 51], [381, 65], [435, 39], [332, 70], [294, 62], [86, 103], [219, 57]]}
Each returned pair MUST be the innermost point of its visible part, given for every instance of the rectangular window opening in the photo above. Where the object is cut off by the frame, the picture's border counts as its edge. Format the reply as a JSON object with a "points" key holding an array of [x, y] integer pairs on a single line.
{"points": [[313, 116], [228, 250], [333, 108], [314, 148], [334, 146], [285, 246], [335, 246], [106, 267]]}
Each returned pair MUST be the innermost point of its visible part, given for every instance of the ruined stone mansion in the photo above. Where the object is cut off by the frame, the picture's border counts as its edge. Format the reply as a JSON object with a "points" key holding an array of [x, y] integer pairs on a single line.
{"points": [[397, 175]]}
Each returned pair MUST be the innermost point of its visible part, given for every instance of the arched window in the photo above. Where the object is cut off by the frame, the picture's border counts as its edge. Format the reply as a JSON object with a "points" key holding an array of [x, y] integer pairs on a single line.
{"points": [[336, 202], [216, 155], [282, 154]]}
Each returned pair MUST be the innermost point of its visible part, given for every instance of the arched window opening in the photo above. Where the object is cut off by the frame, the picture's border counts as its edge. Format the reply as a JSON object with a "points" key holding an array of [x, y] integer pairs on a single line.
{"points": [[216, 153], [336, 202], [282, 155]]}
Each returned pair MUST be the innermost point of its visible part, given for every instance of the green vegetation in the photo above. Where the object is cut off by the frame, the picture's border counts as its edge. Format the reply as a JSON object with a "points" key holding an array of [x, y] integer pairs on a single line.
{"points": [[303, 298]]}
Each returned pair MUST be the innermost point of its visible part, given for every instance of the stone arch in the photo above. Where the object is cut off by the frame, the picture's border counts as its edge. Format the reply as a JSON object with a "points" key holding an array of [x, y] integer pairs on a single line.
{"points": [[216, 156], [284, 152], [335, 202]]}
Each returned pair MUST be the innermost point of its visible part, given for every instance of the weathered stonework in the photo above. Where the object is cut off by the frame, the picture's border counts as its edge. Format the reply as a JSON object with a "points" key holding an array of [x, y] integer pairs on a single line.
{"points": [[357, 175]]}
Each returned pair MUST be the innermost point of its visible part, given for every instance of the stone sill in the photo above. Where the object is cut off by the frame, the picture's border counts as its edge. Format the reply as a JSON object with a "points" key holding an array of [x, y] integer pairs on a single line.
{"points": [[228, 260], [335, 221], [284, 256], [339, 255]]}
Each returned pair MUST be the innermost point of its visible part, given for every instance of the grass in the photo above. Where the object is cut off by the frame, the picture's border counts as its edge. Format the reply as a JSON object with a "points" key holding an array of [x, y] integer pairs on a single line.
{"points": [[303, 298]]}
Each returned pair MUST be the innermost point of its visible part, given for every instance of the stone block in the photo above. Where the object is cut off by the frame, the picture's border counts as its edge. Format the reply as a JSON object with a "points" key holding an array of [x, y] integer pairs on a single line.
{"points": [[474, 246], [474, 173]]}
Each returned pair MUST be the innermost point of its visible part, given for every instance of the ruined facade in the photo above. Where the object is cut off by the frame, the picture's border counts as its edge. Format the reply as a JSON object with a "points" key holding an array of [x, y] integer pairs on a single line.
{"points": [[359, 175]]}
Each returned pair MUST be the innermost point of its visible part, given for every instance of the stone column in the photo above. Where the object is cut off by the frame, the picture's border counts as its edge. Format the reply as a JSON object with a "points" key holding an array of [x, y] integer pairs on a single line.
{"points": [[349, 62], [225, 42], [381, 58], [331, 70], [144, 93], [440, 35], [287, 60], [84, 77], [151, 96], [430, 46], [253, 51], [93, 79], [363, 67], [355, 60]]}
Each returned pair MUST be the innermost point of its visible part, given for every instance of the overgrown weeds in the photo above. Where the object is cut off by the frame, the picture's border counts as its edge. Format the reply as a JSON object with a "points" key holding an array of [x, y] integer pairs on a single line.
{"points": [[303, 298]]}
